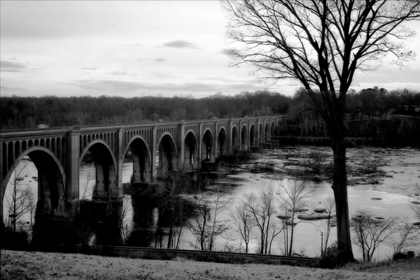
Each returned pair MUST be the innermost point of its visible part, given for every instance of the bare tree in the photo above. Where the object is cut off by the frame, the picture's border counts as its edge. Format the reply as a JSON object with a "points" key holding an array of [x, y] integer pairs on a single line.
{"points": [[330, 207], [31, 210], [206, 226], [261, 208], [19, 199], [370, 232], [321, 45], [293, 198], [175, 183], [199, 223], [87, 187], [243, 222], [408, 236], [415, 205], [274, 230], [123, 219]]}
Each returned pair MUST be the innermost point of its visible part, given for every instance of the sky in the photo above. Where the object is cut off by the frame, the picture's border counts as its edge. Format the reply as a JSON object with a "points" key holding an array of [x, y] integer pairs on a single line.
{"points": [[138, 48]]}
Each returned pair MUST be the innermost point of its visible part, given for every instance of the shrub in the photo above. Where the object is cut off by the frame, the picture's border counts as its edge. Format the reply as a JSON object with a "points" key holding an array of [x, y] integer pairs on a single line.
{"points": [[316, 162], [330, 258], [14, 239], [403, 256]]}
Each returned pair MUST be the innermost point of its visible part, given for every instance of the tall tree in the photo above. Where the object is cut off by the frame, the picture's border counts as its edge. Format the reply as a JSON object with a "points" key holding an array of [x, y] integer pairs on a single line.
{"points": [[321, 44]]}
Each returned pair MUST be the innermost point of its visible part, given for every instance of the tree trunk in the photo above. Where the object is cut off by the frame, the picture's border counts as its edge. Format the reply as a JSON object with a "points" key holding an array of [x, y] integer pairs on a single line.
{"points": [[262, 243], [341, 201], [170, 234], [291, 237]]}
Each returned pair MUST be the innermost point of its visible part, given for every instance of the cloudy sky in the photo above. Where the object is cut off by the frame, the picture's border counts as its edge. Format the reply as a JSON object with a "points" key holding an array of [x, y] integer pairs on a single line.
{"points": [[136, 48]]}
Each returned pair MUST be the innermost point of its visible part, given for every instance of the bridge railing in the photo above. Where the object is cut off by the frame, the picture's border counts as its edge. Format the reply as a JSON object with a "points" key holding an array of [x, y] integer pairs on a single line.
{"points": [[65, 129]]}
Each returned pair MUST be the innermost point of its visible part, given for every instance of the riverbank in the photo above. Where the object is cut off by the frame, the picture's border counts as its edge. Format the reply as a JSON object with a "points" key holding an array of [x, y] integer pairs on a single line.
{"points": [[50, 266]]}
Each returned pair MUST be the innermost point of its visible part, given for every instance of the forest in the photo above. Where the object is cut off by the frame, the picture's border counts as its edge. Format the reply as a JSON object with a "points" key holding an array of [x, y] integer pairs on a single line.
{"points": [[372, 113], [28, 112]]}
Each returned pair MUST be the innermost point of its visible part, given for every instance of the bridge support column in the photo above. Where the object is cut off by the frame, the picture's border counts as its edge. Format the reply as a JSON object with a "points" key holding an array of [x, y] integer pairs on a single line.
{"points": [[249, 135], [240, 134], [215, 143], [180, 145], [258, 142], [200, 144], [120, 160], [229, 137], [72, 170], [153, 149]]}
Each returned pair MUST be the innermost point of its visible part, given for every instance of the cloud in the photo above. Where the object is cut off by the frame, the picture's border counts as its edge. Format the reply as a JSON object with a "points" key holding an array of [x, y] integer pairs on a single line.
{"points": [[160, 59], [89, 68], [126, 87], [120, 73], [7, 89], [105, 85], [180, 44], [220, 79], [9, 66], [134, 45], [163, 74]]}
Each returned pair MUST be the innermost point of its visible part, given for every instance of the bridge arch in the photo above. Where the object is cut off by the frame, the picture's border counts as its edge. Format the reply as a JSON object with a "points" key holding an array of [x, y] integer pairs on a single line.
{"points": [[260, 133], [235, 139], [106, 182], [167, 154], [244, 137], [141, 157], [207, 144], [222, 146], [191, 151], [51, 193]]}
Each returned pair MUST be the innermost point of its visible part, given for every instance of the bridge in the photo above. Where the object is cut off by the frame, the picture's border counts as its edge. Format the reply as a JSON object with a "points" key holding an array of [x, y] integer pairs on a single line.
{"points": [[156, 148]]}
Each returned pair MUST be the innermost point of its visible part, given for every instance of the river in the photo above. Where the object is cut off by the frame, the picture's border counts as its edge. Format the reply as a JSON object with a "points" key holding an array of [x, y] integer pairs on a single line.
{"points": [[387, 193]]}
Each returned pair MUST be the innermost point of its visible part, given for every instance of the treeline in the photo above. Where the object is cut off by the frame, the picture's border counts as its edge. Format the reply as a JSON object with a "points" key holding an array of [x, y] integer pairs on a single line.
{"points": [[391, 117], [28, 112]]}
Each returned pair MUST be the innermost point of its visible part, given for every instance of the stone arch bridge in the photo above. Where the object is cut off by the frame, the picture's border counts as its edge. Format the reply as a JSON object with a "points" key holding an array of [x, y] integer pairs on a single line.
{"points": [[156, 148]]}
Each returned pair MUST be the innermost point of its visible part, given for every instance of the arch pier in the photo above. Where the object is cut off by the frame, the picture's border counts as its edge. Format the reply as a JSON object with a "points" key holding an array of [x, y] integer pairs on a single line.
{"points": [[155, 148]]}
